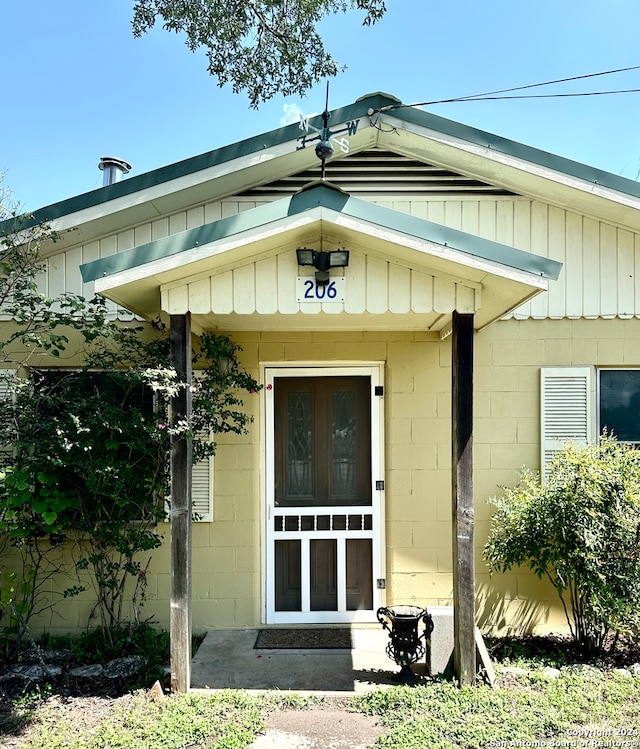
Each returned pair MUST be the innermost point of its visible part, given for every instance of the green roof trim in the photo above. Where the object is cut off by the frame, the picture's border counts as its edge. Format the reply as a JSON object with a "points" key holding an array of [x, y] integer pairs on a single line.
{"points": [[325, 196], [360, 109], [194, 164]]}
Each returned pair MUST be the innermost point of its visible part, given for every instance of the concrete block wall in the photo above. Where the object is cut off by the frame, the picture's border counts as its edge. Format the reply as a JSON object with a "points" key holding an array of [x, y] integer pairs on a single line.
{"points": [[227, 581]]}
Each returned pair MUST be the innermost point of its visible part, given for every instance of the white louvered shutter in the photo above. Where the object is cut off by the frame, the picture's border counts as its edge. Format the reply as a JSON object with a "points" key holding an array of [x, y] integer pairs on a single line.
{"points": [[6, 375], [202, 490], [4, 386], [202, 484], [566, 412]]}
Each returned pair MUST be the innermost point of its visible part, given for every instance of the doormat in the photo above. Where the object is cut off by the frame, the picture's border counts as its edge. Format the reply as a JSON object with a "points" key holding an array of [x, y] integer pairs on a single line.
{"points": [[303, 639]]}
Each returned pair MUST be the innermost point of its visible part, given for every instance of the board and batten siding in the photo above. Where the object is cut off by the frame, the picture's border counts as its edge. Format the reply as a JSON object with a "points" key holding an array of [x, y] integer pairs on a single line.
{"points": [[268, 286], [601, 262], [62, 273]]}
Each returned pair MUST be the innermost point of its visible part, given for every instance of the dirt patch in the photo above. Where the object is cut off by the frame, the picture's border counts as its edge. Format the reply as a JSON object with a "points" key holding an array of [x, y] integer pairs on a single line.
{"points": [[319, 728], [84, 712]]}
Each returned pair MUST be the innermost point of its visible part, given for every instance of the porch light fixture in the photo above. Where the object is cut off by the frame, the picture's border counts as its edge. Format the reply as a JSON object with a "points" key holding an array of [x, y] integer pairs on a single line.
{"points": [[323, 261]]}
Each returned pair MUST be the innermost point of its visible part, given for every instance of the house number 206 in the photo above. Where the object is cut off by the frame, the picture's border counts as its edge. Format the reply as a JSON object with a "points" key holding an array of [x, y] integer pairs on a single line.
{"points": [[307, 290]]}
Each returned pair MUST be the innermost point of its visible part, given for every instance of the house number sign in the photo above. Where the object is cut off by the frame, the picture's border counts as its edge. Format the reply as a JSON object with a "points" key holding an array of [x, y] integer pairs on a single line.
{"points": [[308, 291]]}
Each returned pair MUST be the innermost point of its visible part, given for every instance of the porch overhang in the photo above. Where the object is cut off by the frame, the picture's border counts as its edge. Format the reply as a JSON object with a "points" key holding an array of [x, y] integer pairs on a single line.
{"points": [[239, 273]]}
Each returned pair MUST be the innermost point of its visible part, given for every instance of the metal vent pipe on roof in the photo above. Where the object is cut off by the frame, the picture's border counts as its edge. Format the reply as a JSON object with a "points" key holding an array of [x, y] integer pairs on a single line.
{"points": [[113, 169]]}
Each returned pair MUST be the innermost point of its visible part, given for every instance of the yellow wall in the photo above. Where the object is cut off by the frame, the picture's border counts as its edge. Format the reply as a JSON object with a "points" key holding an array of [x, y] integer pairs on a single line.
{"points": [[227, 554]]}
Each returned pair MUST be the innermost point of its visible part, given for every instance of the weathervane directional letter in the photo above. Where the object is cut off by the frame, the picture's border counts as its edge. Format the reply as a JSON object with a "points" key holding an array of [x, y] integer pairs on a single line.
{"points": [[352, 126]]}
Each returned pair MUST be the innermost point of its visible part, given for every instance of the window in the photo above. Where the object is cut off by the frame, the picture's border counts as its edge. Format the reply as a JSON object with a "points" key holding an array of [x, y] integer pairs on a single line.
{"points": [[566, 407], [619, 403]]}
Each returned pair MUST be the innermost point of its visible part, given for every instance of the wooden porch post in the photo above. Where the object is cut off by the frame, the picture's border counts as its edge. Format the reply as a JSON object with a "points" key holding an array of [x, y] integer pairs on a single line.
{"points": [[181, 453], [464, 608]]}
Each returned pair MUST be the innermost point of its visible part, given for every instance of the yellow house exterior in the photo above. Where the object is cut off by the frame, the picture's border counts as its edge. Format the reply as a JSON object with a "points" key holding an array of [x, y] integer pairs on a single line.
{"points": [[542, 255]]}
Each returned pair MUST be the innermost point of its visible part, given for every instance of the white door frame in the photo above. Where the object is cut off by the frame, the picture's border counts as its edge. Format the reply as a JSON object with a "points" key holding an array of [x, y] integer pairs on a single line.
{"points": [[374, 370]]}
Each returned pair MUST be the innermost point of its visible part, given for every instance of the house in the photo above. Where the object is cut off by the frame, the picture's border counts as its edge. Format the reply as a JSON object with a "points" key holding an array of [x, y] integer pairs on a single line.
{"points": [[482, 294]]}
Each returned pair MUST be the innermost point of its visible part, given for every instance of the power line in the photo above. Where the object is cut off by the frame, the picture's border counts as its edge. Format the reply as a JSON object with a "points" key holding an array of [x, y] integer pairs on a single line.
{"points": [[491, 95], [550, 83], [538, 96]]}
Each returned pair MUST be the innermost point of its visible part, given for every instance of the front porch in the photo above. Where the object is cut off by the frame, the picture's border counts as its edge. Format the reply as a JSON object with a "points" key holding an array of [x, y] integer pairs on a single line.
{"points": [[227, 659]]}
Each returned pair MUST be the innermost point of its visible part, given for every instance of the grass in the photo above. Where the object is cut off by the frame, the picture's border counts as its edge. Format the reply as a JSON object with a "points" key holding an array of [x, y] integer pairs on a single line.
{"points": [[580, 703], [228, 720], [534, 709]]}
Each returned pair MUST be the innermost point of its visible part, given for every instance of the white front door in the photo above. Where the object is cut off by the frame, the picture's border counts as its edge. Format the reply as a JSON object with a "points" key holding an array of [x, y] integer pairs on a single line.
{"points": [[324, 494]]}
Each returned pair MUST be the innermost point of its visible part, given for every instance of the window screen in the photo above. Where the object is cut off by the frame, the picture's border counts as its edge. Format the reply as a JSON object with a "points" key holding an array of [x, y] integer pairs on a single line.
{"points": [[619, 403]]}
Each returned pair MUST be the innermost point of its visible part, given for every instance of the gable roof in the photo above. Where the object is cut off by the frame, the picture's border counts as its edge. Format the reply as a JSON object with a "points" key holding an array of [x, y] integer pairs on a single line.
{"points": [[171, 267], [491, 279], [382, 122]]}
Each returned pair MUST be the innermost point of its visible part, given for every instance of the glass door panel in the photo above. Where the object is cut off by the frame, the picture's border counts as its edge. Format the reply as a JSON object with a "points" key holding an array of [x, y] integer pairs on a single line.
{"points": [[288, 568], [323, 581], [323, 441]]}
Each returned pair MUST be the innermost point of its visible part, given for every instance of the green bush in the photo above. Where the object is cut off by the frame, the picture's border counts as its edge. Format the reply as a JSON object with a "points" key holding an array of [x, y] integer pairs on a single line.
{"points": [[581, 530]]}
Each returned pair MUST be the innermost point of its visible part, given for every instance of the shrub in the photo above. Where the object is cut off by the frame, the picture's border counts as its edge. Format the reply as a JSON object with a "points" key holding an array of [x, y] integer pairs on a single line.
{"points": [[98, 646], [84, 453], [581, 530], [89, 459]]}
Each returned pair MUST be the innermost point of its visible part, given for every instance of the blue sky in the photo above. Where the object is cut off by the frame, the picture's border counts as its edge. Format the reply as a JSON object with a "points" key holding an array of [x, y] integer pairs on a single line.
{"points": [[78, 86]]}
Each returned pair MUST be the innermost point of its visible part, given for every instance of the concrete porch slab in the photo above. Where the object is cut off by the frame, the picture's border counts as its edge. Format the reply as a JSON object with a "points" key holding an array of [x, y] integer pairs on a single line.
{"points": [[226, 659]]}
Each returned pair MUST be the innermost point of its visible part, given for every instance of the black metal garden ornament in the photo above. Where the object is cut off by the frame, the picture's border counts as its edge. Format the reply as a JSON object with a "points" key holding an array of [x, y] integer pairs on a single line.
{"points": [[406, 644]]}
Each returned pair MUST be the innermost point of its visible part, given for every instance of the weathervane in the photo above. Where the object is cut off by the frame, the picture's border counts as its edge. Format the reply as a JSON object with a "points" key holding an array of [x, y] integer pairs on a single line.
{"points": [[324, 136]]}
